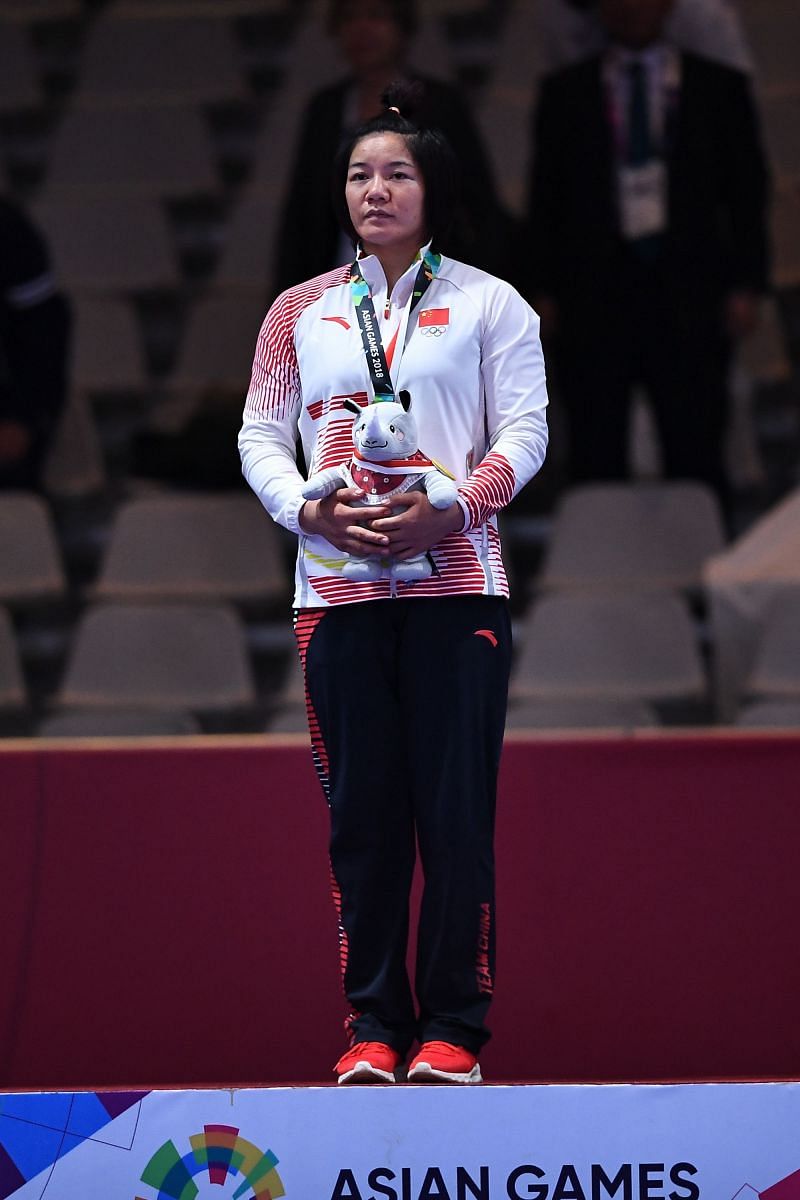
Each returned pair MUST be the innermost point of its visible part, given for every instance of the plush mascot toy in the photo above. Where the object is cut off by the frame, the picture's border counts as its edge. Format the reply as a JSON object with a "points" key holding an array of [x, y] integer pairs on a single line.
{"points": [[386, 462]]}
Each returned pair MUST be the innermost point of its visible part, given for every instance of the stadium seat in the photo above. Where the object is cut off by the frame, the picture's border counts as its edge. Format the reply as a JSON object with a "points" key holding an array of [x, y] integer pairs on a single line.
{"points": [[741, 585], [109, 351], [74, 465], [602, 712], [769, 714], [289, 719], [220, 340], [632, 536], [251, 224], [157, 150], [775, 674], [31, 570], [189, 657], [13, 696], [111, 722], [289, 714], [109, 242], [193, 547], [611, 646]]}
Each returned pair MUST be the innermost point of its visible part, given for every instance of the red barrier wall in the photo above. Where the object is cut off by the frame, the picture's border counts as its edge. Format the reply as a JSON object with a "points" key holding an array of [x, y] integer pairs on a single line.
{"points": [[166, 916]]}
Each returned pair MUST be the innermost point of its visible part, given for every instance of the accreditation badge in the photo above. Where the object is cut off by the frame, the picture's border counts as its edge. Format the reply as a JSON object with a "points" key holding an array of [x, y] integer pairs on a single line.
{"points": [[643, 199]]}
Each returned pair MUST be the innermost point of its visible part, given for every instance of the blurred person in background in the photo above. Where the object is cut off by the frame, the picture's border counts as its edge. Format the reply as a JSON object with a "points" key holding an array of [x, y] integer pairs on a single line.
{"points": [[571, 30], [374, 40], [34, 350], [647, 242]]}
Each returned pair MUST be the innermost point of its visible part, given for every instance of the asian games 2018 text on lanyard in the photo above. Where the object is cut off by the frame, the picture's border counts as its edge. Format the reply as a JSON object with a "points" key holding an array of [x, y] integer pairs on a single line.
{"points": [[368, 323]]}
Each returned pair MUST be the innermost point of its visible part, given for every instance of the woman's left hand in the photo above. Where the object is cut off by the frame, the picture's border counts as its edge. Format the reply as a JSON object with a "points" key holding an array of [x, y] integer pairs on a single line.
{"points": [[419, 526]]}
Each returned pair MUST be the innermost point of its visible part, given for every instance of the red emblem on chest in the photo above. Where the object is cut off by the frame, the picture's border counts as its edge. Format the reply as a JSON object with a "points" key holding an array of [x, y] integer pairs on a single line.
{"points": [[434, 316]]}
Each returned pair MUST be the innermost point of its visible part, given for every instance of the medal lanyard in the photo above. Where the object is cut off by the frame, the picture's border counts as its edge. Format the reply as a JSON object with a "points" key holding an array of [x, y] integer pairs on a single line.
{"points": [[368, 324]]}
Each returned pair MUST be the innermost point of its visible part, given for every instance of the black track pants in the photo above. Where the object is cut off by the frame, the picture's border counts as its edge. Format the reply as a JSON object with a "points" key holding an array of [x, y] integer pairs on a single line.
{"points": [[407, 702]]}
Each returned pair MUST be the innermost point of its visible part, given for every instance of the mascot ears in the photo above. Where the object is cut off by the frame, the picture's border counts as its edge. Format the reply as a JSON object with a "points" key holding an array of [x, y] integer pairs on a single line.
{"points": [[404, 398]]}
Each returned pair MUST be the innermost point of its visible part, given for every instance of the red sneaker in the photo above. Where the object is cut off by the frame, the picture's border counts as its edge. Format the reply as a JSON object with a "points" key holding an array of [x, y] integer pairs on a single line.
{"points": [[368, 1062], [440, 1062]]}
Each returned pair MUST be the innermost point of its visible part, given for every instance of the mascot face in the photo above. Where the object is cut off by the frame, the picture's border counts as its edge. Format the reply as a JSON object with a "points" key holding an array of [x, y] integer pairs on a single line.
{"points": [[384, 431]]}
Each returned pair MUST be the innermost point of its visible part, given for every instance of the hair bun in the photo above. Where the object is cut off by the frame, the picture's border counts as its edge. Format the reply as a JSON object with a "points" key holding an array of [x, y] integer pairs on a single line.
{"points": [[404, 96]]}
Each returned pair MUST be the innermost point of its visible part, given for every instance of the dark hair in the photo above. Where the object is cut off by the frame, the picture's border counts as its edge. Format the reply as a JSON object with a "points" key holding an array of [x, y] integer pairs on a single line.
{"points": [[428, 147], [402, 12]]}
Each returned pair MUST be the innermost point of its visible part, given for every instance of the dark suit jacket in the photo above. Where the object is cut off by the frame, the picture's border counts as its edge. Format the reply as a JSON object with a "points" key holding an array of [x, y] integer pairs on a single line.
{"points": [[308, 232], [717, 192], [34, 342]]}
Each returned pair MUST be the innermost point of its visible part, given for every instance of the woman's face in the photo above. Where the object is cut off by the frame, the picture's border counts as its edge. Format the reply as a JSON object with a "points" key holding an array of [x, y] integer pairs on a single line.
{"points": [[385, 194]]}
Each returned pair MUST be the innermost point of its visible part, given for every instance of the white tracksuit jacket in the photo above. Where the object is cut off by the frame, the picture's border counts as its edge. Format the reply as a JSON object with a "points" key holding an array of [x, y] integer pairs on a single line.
{"points": [[470, 357]]}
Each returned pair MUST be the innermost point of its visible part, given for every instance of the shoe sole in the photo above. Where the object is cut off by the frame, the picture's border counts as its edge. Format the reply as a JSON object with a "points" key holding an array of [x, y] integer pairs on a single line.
{"points": [[424, 1073], [364, 1073]]}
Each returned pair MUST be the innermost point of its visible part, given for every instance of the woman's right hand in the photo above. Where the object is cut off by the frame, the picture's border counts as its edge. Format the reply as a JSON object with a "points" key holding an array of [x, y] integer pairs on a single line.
{"points": [[338, 519]]}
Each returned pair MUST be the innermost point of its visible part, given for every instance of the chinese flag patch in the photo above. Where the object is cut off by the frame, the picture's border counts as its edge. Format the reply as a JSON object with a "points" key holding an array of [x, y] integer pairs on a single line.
{"points": [[434, 316]]}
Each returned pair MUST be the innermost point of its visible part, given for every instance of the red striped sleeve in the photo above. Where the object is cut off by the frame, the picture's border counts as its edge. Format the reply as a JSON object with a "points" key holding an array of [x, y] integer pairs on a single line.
{"points": [[489, 488], [275, 380]]}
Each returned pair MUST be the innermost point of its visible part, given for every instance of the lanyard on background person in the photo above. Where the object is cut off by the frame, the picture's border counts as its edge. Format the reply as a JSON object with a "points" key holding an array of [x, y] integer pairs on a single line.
{"points": [[665, 95], [371, 340]]}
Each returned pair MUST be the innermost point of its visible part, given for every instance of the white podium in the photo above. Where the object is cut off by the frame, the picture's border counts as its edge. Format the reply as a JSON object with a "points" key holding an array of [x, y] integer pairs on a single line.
{"points": [[714, 1141]]}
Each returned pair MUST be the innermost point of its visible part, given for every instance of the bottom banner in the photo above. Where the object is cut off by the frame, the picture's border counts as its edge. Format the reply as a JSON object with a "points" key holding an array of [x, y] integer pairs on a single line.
{"points": [[586, 1142]]}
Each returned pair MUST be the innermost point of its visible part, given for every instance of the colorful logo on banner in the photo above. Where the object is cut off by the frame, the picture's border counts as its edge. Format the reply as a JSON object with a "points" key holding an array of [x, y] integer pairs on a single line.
{"points": [[225, 1156]]}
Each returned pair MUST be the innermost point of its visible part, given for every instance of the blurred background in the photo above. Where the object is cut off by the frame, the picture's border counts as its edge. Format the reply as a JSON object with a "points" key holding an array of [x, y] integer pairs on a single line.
{"points": [[147, 150]]}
